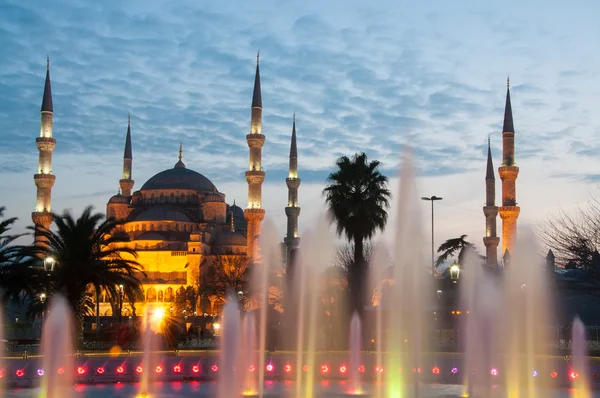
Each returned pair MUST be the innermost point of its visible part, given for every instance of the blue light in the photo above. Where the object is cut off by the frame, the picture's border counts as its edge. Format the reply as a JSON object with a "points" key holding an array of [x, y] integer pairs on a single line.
{"points": [[535, 373]]}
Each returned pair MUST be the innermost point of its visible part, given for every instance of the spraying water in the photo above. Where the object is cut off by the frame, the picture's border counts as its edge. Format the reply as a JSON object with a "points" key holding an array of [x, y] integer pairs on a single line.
{"points": [[378, 270], [248, 354], [231, 376], [57, 350], [153, 318], [355, 351], [1, 348], [580, 361]]}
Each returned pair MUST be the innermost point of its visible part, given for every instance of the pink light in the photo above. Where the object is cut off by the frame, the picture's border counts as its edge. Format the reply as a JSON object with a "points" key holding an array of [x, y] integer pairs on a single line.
{"points": [[305, 368], [61, 371], [214, 368], [288, 368], [20, 373], [379, 369], [361, 369], [494, 372], [196, 369], [251, 368], [269, 368], [435, 370], [177, 369], [139, 369], [324, 369], [40, 372], [120, 370], [454, 371], [158, 369], [80, 370], [100, 370], [573, 375], [343, 369], [554, 375], [416, 370]]}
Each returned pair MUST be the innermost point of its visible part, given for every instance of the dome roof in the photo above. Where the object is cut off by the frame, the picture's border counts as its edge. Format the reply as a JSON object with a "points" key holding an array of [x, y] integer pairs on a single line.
{"points": [[118, 198], [238, 216], [151, 235], [229, 238], [179, 178], [214, 197], [162, 213]]}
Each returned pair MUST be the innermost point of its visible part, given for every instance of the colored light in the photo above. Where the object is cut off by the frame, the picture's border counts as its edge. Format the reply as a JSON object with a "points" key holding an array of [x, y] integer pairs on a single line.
{"points": [[494, 372], [269, 368], [40, 372], [100, 370], [343, 369], [120, 370], [535, 373], [554, 375], [214, 368], [379, 369], [196, 369], [288, 368], [435, 370], [61, 371], [20, 373], [139, 369], [80, 370], [573, 375], [361, 369], [416, 370], [454, 370], [305, 368], [251, 368], [324, 369], [177, 369], [158, 369]]}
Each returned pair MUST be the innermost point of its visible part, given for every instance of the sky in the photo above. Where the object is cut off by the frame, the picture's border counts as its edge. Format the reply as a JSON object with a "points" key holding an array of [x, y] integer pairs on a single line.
{"points": [[360, 76]]}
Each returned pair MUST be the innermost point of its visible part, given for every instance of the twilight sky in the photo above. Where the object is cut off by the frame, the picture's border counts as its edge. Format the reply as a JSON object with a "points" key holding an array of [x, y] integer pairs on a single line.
{"points": [[368, 76]]}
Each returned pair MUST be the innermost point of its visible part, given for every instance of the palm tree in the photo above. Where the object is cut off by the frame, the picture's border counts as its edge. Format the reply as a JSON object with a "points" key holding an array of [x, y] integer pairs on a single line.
{"points": [[452, 246], [90, 252], [357, 197]]}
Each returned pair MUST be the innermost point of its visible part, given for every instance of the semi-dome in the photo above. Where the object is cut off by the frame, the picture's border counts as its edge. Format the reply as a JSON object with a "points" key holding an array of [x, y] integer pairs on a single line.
{"points": [[161, 213], [179, 178], [118, 198], [228, 238]]}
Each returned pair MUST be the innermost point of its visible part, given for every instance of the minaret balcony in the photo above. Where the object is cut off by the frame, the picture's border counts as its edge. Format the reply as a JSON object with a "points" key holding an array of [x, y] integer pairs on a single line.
{"points": [[45, 144], [255, 140], [508, 172], [255, 176], [509, 212], [292, 183], [490, 211], [292, 211], [44, 180]]}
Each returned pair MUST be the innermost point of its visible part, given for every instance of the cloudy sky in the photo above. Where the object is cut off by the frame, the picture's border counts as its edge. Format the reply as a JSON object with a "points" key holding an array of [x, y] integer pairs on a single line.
{"points": [[370, 76]]}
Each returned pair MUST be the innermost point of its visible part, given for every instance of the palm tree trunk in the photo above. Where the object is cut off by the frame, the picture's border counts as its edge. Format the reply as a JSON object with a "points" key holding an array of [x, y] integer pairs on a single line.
{"points": [[97, 312], [356, 276]]}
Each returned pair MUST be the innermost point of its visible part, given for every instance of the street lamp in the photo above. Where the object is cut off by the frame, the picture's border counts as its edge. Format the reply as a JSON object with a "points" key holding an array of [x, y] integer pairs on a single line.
{"points": [[241, 299], [454, 272], [432, 199], [121, 295]]}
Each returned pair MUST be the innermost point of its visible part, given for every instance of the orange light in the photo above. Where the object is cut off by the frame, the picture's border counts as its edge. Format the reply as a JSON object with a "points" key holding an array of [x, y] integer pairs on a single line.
{"points": [[159, 369], [343, 369], [554, 375], [288, 368], [139, 369], [435, 370], [361, 369], [61, 371], [573, 375], [305, 368], [177, 369], [324, 369], [251, 368], [120, 370], [379, 369], [80, 370]]}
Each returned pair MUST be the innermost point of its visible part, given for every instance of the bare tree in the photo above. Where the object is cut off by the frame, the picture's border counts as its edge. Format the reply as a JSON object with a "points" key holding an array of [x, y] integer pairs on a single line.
{"points": [[573, 237], [227, 273], [344, 257]]}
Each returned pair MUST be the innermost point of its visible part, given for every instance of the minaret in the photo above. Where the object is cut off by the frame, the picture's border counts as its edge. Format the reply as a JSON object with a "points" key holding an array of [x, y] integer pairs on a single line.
{"points": [[126, 182], [254, 213], [292, 211], [44, 179], [509, 211], [490, 210]]}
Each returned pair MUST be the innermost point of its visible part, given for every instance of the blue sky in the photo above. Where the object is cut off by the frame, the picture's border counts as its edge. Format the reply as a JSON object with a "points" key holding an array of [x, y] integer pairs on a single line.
{"points": [[360, 76]]}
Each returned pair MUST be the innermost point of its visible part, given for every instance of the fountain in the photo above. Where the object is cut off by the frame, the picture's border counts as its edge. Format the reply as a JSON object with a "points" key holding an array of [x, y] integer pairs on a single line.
{"points": [[248, 354], [152, 327], [580, 361], [355, 354], [231, 377]]}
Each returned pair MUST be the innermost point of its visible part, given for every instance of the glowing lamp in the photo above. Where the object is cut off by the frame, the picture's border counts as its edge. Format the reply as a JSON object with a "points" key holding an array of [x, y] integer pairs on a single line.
{"points": [[305, 368], [176, 369], [158, 369], [269, 368], [61, 371], [573, 375], [100, 370], [139, 369], [554, 375], [40, 372], [196, 369], [454, 371], [214, 368], [454, 272], [343, 369], [120, 370], [80, 370], [324, 369], [379, 369], [416, 370], [435, 370], [251, 368], [494, 372], [535, 373], [20, 373], [361, 369], [288, 368]]}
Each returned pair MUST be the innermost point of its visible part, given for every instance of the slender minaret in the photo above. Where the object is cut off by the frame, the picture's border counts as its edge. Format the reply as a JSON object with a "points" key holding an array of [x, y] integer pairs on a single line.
{"points": [[126, 182], [292, 211], [490, 210], [509, 211], [44, 179], [254, 213]]}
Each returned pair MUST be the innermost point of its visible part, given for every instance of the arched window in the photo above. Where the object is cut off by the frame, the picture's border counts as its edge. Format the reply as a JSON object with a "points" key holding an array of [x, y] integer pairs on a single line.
{"points": [[182, 197], [151, 295], [160, 296], [162, 198], [169, 295], [137, 227], [172, 197], [144, 227]]}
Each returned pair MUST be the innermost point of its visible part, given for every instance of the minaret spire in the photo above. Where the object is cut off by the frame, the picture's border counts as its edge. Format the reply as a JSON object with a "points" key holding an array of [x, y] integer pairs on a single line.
{"points": [[509, 211], [180, 164], [490, 210], [255, 175], [292, 240], [126, 182], [44, 179]]}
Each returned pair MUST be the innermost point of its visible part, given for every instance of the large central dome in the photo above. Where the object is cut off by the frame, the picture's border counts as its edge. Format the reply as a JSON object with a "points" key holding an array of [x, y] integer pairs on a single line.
{"points": [[179, 178]]}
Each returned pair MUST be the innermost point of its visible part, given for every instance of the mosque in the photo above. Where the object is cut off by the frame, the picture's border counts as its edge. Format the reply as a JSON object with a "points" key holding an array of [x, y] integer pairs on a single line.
{"points": [[178, 221]]}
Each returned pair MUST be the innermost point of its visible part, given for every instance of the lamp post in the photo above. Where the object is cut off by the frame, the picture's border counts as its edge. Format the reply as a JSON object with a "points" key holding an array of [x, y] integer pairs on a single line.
{"points": [[432, 199], [454, 272], [240, 295], [49, 263], [121, 295]]}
